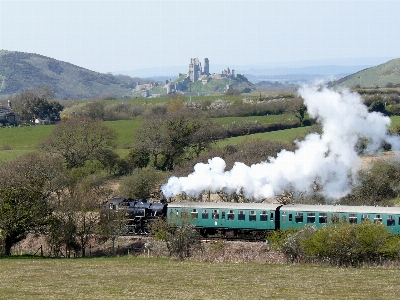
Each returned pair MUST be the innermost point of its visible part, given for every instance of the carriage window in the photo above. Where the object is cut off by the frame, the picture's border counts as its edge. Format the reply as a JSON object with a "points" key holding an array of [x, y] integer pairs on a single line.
{"points": [[141, 212], [204, 214], [290, 217], [272, 216], [284, 217], [195, 214], [310, 218], [252, 216], [241, 215], [171, 214], [185, 214], [365, 218], [223, 215], [231, 215], [378, 219], [390, 221], [263, 216], [335, 218], [353, 218], [299, 217], [322, 218], [215, 214]]}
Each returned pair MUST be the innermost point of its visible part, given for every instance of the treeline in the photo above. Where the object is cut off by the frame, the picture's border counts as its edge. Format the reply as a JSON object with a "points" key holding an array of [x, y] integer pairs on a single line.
{"points": [[111, 111]]}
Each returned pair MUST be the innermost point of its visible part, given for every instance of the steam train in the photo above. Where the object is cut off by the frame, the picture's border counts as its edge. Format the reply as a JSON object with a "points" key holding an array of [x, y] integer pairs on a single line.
{"points": [[233, 219]]}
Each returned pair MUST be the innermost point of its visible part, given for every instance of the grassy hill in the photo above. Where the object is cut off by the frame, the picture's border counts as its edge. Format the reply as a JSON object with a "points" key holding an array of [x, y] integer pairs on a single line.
{"points": [[384, 75], [20, 71]]}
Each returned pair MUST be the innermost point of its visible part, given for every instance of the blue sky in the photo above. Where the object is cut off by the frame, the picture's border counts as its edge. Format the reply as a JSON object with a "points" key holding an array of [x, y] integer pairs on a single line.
{"points": [[110, 36]]}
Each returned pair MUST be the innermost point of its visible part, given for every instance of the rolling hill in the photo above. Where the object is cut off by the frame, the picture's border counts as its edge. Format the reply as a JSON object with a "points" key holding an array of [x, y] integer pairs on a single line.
{"points": [[383, 75], [20, 71]]}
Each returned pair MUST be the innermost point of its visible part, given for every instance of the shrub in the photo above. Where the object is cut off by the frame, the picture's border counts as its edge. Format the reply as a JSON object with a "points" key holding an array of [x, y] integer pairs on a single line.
{"points": [[352, 245]]}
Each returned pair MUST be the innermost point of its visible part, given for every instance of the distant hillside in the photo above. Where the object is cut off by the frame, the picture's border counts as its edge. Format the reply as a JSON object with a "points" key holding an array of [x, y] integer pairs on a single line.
{"points": [[20, 71], [384, 75]]}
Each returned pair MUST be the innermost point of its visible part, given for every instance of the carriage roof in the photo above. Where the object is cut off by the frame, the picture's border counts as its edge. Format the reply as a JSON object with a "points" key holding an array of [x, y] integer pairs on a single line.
{"points": [[222, 205], [342, 209]]}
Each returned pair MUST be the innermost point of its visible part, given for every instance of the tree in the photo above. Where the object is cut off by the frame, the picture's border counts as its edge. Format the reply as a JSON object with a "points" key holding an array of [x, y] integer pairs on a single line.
{"points": [[25, 190], [138, 158], [112, 225], [35, 103], [180, 240], [169, 139], [301, 113], [376, 185], [75, 219], [377, 106], [140, 184], [79, 140]]}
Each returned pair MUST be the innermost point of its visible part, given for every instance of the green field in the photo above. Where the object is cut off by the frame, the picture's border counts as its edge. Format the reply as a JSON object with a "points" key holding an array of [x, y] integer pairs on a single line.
{"points": [[262, 119], [16, 141], [139, 278], [286, 136]]}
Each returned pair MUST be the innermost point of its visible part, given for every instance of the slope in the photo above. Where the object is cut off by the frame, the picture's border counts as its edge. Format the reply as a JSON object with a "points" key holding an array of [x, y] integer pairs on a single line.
{"points": [[20, 71], [384, 75]]}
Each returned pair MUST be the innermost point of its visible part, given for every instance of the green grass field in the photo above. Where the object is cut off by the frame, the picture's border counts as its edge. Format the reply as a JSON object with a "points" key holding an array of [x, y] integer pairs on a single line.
{"points": [[287, 136], [139, 278], [16, 141], [262, 119]]}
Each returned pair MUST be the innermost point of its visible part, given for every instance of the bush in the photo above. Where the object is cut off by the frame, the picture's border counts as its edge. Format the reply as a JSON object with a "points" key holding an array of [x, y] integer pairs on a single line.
{"points": [[350, 245], [180, 240], [141, 184]]}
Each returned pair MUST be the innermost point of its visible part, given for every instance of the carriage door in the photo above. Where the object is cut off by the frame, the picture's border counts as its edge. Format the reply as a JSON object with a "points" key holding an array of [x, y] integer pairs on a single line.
{"points": [[222, 219]]}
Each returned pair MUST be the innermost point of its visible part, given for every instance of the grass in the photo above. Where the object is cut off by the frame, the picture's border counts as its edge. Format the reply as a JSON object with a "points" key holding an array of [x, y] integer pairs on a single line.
{"points": [[139, 278], [22, 140], [262, 119], [287, 136]]}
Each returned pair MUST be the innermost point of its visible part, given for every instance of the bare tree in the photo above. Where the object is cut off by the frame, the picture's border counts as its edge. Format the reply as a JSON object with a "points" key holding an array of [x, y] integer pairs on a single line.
{"points": [[79, 140]]}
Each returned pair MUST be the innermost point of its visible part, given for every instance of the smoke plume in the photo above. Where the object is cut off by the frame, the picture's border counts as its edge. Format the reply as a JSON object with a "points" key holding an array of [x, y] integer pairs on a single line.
{"points": [[329, 160]]}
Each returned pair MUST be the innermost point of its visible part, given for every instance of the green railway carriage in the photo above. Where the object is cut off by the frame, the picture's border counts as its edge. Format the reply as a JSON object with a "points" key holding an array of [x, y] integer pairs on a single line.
{"points": [[224, 217], [297, 216]]}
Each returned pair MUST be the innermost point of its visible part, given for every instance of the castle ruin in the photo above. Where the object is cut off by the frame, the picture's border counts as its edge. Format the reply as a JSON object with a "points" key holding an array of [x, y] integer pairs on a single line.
{"points": [[196, 72]]}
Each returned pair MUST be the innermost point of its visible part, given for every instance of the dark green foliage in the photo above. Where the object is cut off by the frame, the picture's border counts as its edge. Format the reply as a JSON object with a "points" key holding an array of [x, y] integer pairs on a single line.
{"points": [[377, 106], [170, 138], [301, 113], [25, 188], [343, 244], [376, 185], [138, 158], [252, 127], [352, 245], [140, 184], [35, 104]]}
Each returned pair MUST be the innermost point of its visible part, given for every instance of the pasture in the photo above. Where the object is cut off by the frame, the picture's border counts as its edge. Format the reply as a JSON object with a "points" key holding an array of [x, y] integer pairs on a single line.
{"points": [[17, 141], [142, 278]]}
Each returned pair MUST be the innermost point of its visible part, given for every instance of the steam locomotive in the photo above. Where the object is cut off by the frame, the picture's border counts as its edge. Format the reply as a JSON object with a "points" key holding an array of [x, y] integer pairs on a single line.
{"points": [[233, 219], [139, 212]]}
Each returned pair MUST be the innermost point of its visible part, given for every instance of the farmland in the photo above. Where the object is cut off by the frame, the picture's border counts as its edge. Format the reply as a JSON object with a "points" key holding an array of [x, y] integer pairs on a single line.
{"points": [[16, 141], [143, 278]]}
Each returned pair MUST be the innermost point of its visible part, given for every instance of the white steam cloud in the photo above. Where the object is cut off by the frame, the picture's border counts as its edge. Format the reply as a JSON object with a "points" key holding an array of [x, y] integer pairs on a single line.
{"points": [[329, 159]]}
